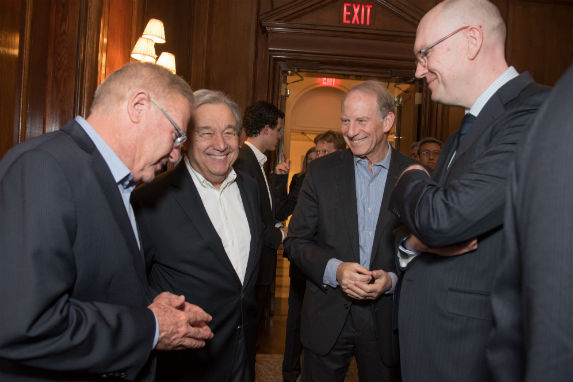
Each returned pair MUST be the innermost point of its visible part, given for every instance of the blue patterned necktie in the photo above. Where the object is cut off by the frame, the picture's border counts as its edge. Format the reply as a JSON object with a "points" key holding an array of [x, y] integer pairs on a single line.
{"points": [[467, 122]]}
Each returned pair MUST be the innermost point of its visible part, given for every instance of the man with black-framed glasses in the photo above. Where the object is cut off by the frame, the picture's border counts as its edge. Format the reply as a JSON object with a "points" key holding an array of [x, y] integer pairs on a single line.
{"points": [[455, 217]]}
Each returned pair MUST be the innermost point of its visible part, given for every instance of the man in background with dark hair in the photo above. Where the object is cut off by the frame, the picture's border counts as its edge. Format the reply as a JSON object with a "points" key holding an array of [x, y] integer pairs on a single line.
{"points": [[429, 151], [328, 142], [262, 124]]}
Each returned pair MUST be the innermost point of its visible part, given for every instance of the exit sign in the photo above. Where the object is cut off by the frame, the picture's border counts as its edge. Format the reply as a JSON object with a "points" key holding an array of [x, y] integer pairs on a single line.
{"points": [[357, 13]]}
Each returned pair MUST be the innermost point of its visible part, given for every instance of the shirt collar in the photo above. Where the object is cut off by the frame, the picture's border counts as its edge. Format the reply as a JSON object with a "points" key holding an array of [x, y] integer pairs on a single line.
{"points": [[261, 158], [119, 170], [384, 162], [200, 179], [509, 74]]}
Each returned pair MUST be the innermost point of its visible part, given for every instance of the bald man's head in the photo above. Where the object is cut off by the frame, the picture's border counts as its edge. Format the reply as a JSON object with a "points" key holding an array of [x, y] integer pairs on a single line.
{"points": [[460, 47]]}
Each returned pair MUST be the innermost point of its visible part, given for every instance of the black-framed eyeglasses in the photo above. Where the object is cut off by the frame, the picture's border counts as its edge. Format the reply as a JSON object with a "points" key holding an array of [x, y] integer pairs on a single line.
{"points": [[422, 54], [181, 136], [428, 153]]}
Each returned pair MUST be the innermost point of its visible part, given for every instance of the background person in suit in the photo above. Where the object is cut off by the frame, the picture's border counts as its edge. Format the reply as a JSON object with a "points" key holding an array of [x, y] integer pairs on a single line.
{"points": [[72, 277], [340, 236], [532, 296], [202, 234], [460, 50], [293, 346], [262, 123]]}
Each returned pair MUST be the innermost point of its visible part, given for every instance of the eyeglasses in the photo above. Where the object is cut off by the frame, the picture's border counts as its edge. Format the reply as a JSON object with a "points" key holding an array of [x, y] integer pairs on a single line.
{"points": [[181, 136], [428, 153], [422, 54]]}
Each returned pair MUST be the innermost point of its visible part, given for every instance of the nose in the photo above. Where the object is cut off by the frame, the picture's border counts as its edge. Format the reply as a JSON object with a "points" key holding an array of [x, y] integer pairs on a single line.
{"points": [[218, 142], [421, 70], [175, 155]]}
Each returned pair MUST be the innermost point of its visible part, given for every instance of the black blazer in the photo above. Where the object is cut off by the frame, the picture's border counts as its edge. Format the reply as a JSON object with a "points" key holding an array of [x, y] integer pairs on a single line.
{"points": [[247, 163], [324, 226], [287, 208], [72, 278], [185, 255], [532, 297], [452, 294]]}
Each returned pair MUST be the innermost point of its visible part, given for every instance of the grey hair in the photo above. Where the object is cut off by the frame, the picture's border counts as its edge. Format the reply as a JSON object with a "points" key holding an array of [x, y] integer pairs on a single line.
{"points": [[384, 100], [208, 96]]}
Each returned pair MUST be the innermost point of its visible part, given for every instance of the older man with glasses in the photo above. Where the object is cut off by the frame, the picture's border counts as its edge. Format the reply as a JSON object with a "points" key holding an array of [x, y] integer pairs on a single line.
{"points": [[455, 217], [72, 276]]}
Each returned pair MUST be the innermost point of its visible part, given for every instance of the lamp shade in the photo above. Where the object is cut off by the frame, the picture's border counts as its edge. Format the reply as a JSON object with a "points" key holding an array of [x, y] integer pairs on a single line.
{"points": [[167, 60], [154, 31], [144, 50]]}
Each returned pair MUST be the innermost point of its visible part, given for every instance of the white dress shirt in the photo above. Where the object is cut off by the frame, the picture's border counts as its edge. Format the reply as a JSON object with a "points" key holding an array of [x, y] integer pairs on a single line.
{"points": [[227, 214]]}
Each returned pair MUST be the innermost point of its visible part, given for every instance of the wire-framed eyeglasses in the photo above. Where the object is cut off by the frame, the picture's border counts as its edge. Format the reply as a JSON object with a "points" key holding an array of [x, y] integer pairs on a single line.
{"points": [[181, 136], [422, 54]]}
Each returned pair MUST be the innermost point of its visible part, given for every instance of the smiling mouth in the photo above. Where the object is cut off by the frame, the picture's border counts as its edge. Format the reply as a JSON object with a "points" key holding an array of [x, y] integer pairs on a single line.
{"points": [[358, 140]]}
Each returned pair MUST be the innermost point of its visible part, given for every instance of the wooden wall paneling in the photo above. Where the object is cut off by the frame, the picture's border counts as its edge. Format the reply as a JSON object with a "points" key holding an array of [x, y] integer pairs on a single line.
{"points": [[89, 33], [200, 28], [12, 19], [62, 63], [118, 39], [540, 38], [230, 49]]}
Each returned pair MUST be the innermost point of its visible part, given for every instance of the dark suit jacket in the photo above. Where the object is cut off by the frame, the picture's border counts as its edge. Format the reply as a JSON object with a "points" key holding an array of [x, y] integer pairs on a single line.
{"points": [[452, 294], [272, 237], [72, 279], [532, 297], [324, 226], [185, 255], [287, 208]]}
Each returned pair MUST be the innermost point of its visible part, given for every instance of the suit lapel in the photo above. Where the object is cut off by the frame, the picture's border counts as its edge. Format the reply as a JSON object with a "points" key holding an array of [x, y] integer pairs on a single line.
{"points": [[110, 191], [250, 207], [188, 198], [259, 176], [385, 216], [494, 107], [346, 186]]}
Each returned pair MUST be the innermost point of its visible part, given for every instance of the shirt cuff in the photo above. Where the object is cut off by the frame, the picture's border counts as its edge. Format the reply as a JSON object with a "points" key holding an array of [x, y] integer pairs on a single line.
{"points": [[329, 277], [394, 282], [279, 226], [405, 255], [156, 338]]}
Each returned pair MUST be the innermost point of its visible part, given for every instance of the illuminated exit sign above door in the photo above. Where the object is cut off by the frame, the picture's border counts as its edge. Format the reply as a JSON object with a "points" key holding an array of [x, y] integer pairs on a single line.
{"points": [[357, 13]]}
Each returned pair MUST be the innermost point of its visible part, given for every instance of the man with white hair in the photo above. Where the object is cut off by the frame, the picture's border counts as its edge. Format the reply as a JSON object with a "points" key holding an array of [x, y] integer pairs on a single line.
{"points": [[202, 234], [455, 217]]}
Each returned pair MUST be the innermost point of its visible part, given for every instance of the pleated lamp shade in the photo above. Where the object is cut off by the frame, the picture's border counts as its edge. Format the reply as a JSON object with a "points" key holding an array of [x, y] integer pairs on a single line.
{"points": [[167, 60], [155, 31], [144, 50]]}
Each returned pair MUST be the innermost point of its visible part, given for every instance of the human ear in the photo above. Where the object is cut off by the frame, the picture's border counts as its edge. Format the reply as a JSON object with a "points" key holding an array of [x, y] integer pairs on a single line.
{"points": [[388, 121], [137, 103], [474, 38]]}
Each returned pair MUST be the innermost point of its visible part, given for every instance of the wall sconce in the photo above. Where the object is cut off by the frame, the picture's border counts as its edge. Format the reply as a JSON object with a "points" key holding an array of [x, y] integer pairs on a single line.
{"points": [[154, 31], [167, 60], [144, 49]]}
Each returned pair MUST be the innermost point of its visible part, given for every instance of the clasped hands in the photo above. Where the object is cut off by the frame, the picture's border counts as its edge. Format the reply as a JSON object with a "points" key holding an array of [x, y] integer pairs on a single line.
{"points": [[181, 325], [361, 284]]}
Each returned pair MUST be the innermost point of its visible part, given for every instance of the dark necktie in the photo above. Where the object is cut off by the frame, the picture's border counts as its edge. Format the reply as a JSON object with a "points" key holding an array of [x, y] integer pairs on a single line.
{"points": [[467, 122]]}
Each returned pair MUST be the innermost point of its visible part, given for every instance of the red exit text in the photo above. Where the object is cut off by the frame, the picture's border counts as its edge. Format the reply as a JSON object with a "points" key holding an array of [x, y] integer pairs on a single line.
{"points": [[360, 13]]}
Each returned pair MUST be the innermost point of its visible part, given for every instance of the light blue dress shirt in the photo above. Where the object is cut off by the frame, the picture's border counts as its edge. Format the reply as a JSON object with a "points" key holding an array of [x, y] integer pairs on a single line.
{"points": [[124, 180], [369, 195]]}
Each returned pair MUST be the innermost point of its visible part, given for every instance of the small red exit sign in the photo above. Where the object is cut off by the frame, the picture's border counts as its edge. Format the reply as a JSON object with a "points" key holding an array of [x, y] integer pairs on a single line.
{"points": [[356, 13]]}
